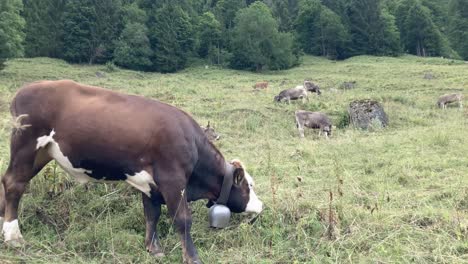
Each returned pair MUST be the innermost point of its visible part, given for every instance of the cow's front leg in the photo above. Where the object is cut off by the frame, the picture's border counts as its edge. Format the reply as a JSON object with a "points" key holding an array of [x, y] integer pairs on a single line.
{"points": [[152, 211], [180, 211]]}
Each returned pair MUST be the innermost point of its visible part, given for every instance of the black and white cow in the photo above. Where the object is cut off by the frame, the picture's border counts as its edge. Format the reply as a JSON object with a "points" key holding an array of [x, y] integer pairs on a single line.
{"points": [[314, 120], [96, 134]]}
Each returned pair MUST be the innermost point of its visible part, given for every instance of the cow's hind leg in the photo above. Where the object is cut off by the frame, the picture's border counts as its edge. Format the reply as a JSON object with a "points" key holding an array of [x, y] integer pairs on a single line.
{"points": [[25, 162], [152, 211]]}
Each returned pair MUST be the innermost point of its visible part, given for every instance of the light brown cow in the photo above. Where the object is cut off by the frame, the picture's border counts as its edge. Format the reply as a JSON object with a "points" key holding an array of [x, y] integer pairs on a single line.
{"points": [[261, 85]]}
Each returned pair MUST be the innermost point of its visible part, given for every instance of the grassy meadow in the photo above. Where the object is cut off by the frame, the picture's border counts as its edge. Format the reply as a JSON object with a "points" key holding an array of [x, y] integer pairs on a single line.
{"points": [[399, 194]]}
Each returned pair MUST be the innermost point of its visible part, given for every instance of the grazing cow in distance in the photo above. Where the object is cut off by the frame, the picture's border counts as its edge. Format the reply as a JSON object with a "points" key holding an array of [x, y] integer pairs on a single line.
{"points": [[450, 98], [210, 133], [311, 87], [98, 134], [348, 85], [296, 93], [261, 85], [314, 120]]}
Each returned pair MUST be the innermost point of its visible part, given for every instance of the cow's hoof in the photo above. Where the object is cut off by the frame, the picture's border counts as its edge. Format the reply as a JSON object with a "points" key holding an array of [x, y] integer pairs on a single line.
{"points": [[193, 261], [15, 243], [156, 251], [158, 254]]}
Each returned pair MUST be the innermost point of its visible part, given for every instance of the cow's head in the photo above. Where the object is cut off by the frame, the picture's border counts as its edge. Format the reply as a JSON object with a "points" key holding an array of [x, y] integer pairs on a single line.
{"points": [[242, 197], [312, 87], [277, 98], [210, 133]]}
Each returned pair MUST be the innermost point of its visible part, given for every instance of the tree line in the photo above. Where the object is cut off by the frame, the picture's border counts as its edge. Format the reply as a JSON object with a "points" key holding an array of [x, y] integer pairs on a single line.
{"points": [[163, 35]]}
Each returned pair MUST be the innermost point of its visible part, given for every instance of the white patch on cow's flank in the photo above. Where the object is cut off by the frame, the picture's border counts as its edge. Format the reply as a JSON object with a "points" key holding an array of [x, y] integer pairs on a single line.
{"points": [[254, 205], [54, 151], [142, 181], [11, 230]]}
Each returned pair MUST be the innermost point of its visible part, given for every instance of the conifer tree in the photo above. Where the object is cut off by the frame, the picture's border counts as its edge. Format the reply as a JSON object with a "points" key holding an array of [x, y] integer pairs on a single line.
{"points": [[458, 26], [79, 21], [11, 30], [320, 31], [171, 38]]}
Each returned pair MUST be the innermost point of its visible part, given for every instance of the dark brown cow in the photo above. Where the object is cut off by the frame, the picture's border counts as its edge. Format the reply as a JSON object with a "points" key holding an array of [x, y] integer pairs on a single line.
{"points": [[98, 134]]}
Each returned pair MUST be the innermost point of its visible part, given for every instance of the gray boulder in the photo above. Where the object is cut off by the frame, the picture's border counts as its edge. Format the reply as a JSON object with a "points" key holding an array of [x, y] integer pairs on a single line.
{"points": [[367, 114]]}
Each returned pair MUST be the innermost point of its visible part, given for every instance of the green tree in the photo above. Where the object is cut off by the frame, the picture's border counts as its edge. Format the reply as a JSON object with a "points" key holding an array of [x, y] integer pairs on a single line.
{"points": [[132, 13], [419, 34], [133, 49], [458, 26], [171, 38], [36, 29], [209, 34], [372, 30], [79, 21], [43, 27], [281, 13], [226, 11], [320, 31], [108, 25], [257, 43], [11, 30]]}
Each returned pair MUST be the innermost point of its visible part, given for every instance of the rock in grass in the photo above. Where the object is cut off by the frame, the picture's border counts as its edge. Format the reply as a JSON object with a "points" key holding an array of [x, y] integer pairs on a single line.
{"points": [[429, 76], [100, 74], [367, 114]]}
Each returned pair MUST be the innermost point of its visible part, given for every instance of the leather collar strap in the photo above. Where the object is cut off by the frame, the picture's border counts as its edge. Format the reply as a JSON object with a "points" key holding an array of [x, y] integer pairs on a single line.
{"points": [[227, 184]]}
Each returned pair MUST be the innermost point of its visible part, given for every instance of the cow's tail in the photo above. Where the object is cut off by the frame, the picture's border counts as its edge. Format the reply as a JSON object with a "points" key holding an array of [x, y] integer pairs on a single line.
{"points": [[17, 120]]}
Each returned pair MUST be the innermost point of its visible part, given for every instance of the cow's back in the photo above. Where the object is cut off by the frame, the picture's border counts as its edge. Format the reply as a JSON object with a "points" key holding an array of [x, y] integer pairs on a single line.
{"points": [[105, 131]]}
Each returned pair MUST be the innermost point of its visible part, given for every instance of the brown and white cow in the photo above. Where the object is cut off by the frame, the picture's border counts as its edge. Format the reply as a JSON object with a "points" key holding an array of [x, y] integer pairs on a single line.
{"points": [[97, 134], [446, 99], [314, 120]]}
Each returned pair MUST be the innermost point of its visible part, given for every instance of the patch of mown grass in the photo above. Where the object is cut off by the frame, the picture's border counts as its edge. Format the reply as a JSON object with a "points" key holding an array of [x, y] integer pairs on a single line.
{"points": [[399, 193]]}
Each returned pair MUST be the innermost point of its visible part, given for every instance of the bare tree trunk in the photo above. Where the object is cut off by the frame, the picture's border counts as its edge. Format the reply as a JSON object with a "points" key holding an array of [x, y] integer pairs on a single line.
{"points": [[418, 53], [322, 40], [218, 52]]}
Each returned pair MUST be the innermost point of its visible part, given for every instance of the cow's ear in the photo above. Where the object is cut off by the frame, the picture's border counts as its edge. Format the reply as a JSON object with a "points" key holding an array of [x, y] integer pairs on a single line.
{"points": [[239, 176]]}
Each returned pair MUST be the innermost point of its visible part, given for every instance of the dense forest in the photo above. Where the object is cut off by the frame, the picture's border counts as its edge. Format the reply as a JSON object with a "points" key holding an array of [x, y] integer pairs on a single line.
{"points": [[163, 35]]}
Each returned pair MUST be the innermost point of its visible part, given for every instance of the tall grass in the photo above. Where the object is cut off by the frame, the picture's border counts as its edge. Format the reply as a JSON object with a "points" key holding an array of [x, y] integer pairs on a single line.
{"points": [[399, 194]]}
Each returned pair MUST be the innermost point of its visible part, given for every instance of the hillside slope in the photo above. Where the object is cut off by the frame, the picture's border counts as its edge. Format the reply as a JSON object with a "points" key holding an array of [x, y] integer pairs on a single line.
{"points": [[399, 194]]}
